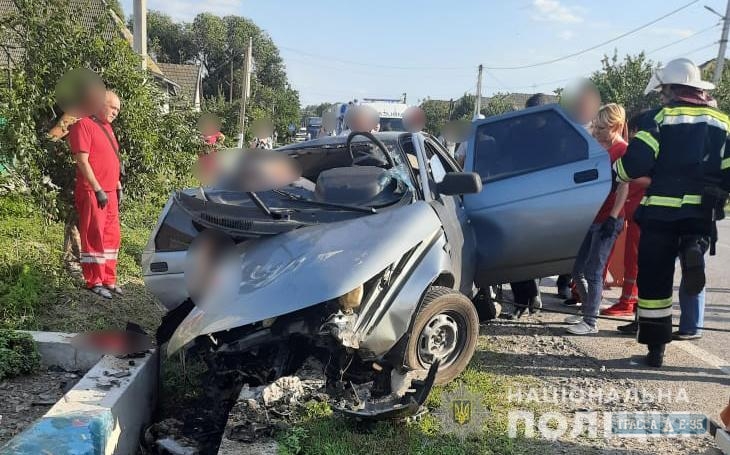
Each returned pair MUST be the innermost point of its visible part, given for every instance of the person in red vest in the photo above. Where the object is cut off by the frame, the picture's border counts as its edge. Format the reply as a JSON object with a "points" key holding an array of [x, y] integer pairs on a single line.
{"points": [[97, 194]]}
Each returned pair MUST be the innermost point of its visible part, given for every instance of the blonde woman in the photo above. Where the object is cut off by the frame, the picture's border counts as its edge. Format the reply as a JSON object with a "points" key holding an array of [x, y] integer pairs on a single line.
{"points": [[609, 129]]}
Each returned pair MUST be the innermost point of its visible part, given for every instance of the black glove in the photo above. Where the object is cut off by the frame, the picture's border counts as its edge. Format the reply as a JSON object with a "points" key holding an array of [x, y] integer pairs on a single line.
{"points": [[120, 196], [610, 226], [101, 199]]}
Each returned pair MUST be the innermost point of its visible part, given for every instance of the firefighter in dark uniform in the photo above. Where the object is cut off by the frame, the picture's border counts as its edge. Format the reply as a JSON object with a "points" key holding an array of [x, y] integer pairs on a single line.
{"points": [[683, 148]]}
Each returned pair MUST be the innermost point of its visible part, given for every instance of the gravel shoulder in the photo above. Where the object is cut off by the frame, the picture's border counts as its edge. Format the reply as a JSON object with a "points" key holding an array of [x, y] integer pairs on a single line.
{"points": [[24, 399]]}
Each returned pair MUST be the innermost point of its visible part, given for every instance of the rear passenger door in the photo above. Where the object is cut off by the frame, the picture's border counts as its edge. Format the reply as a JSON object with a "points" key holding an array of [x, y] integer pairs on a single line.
{"points": [[544, 180]]}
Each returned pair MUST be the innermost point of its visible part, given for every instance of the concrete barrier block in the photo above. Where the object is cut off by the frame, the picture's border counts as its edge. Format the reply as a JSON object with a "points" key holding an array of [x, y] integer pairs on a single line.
{"points": [[104, 414], [56, 350]]}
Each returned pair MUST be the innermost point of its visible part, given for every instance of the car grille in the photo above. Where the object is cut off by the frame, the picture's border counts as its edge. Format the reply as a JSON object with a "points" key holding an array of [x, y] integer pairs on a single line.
{"points": [[230, 223]]}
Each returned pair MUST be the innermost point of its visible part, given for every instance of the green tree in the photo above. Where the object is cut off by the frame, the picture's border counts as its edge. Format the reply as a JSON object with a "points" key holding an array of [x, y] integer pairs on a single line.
{"points": [[437, 114], [623, 81], [464, 108], [316, 110], [498, 104], [219, 44], [170, 41]]}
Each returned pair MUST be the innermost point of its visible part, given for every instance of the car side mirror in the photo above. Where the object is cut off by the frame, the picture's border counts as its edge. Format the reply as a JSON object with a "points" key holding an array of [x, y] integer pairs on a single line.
{"points": [[457, 183]]}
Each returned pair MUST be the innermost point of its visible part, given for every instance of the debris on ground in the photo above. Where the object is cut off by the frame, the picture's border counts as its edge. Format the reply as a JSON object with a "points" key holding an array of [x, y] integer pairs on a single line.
{"points": [[166, 438], [260, 411], [24, 399]]}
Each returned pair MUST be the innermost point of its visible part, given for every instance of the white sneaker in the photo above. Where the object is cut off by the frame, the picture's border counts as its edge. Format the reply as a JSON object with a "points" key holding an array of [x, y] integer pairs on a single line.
{"points": [[574, 319], [582, 329]]}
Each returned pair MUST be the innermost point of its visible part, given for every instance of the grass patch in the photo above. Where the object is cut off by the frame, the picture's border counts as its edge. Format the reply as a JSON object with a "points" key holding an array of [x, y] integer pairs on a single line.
{"points": [[37, 293], [18, 354]]}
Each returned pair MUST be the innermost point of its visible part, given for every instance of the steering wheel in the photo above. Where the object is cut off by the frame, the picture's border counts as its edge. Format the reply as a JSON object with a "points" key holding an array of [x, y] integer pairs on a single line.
{"points": [[375, 141]]}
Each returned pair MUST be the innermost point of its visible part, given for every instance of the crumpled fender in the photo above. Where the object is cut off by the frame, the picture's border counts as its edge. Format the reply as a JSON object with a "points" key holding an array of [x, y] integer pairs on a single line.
{"points": [[295, 270]]}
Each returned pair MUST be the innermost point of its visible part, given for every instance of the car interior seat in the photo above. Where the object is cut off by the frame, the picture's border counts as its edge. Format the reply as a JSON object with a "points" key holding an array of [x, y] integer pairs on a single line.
{"points": [[356, 185]]}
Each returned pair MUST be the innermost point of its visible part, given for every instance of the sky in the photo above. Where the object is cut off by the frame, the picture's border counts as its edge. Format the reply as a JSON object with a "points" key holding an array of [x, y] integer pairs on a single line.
{"points": [[343, 50]]}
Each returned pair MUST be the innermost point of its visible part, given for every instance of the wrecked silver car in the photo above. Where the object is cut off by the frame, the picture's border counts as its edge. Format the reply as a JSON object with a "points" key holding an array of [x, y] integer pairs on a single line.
{"points": [[371, 260]]}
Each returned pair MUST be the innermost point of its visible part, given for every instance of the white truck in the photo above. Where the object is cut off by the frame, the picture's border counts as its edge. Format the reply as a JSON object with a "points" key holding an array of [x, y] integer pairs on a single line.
{"points": [[390, 111]]}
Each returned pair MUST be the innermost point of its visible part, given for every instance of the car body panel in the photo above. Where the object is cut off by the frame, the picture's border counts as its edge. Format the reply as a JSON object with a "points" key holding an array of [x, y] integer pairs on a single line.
{"points": [[394, 318], [307, 266], [532, 224]]}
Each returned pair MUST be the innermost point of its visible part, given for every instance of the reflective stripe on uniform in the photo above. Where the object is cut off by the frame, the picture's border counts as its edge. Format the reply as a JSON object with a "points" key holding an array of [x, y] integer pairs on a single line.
{"points": [[649, 140], [692, 115], [111, 254], [674, 202], [621, 172], [89, 259], [725, 164], [654, 314], [655, 303]]}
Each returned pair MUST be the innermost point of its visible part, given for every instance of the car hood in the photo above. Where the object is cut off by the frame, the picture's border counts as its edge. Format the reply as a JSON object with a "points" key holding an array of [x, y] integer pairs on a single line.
{"points": [[284, 273]]}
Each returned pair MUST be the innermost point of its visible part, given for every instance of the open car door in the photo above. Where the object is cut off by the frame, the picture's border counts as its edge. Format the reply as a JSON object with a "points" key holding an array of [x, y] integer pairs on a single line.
{"points": [[545, 179]]}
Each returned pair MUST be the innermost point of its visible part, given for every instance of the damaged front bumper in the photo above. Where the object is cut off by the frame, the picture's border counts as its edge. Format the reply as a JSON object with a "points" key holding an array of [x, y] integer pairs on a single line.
{"points": [[403, 402]]}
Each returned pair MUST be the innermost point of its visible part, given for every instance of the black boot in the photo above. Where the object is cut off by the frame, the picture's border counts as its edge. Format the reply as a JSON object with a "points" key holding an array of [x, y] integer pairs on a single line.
{"points": [[535, 305], [629, 329], [655, 357]]}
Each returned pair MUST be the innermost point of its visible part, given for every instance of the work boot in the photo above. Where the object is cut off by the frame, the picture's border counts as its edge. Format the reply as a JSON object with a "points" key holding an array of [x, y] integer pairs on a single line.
{"points": [[564, 292], [535, 305], [622, 308], [655, 357], [629, 329]]}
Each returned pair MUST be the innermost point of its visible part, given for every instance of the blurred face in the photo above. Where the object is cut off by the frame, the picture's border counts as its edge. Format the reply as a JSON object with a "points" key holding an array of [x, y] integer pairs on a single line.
{"points": [[587, 106], [110, 110]]}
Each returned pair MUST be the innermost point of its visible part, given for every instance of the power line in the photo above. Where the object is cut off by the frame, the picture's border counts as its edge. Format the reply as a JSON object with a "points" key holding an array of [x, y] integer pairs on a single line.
{"points": [[683, 39], [373, 65], [581, 52]]}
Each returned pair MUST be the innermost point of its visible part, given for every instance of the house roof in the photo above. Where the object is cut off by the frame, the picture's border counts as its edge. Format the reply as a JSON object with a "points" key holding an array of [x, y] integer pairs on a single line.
{"points": [[186, 76], [91, 14]]}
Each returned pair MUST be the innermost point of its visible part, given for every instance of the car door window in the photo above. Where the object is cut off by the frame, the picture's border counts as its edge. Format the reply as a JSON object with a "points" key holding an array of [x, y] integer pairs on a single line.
{"points": [[526, 143]]}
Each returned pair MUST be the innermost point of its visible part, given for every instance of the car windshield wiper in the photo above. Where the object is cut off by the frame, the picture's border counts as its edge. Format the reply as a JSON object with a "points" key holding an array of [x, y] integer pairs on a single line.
{"points": [[295, 197]]}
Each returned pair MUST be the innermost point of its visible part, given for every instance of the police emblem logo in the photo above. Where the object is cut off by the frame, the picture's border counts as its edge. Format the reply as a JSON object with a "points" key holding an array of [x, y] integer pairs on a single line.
{"points": [[461, 411]]}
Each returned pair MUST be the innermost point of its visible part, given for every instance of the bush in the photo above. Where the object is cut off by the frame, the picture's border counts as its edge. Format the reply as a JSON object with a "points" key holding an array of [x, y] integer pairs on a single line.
{"points": [[18, 354]]}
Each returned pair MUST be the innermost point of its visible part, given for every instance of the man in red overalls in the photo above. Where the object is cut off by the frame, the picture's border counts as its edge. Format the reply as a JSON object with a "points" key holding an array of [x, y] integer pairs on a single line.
{"points": [[97, 193]]}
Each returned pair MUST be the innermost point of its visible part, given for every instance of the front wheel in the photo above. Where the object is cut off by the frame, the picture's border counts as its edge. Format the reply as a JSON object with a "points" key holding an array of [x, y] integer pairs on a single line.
{"points": [[446, 328]]}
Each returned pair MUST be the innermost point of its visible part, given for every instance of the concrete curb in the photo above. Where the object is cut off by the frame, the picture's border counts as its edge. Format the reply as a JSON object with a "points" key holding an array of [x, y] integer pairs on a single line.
{"points": [[722, 438], [56, 350], [104, 414]]}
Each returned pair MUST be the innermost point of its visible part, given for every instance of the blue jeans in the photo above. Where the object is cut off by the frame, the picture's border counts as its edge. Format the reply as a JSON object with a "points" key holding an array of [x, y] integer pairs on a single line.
{"points": [[588, 270], [692, 311]]}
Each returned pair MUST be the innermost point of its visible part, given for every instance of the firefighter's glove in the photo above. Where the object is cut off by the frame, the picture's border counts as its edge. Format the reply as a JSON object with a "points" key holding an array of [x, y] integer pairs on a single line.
{"points": [[611, 227], [101, 199], [120, 196]]}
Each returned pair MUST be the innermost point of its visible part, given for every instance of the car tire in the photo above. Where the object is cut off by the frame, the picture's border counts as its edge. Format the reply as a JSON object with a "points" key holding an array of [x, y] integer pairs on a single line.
{"points": [[446, 326]]}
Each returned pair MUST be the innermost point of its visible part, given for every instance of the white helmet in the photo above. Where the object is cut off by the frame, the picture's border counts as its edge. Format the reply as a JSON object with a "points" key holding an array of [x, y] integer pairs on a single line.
{"points": [[681, 71]]}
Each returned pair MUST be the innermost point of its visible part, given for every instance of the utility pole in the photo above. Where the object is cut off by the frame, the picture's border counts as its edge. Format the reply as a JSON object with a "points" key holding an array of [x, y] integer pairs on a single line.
{"points": [[246, 90], [230, 90], [720, 62], [478, 104], [140, 30]]}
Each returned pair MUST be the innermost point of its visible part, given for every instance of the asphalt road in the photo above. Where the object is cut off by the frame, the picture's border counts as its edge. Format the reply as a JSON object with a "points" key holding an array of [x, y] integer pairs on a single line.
{"points": [[696, 374]]}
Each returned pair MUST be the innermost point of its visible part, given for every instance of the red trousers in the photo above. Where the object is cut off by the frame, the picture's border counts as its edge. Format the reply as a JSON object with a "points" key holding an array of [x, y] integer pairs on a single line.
{"points": [[100, 237]]}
